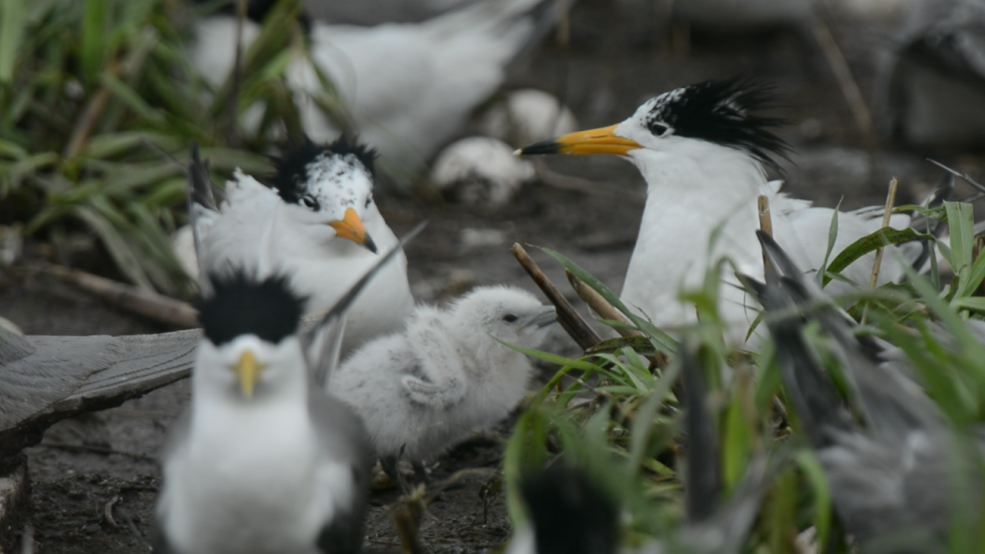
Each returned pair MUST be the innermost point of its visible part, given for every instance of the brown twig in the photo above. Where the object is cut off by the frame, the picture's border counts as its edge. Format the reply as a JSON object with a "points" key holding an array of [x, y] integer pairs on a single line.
{"points": [[406, 516], [765, 222], [890, 202], [606, 310], [843, 74], [599, 304], [87, 120], [874, 278], [573, 323], [173, 313]]}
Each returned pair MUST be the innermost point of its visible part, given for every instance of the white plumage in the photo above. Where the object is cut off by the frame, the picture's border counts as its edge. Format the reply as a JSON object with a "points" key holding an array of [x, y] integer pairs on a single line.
{"points": [[527, 115], [321, 227], [702, 151], [423, 390], [480, 171], [408, 87], [261, 464]]}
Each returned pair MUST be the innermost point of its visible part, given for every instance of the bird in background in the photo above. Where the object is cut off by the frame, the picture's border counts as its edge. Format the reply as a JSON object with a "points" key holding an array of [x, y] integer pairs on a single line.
{"points": [[407, 88], [703, 150], [898, 481], [930, 85], [446, 375], [569, 512], [318, 224], [264, 461]]}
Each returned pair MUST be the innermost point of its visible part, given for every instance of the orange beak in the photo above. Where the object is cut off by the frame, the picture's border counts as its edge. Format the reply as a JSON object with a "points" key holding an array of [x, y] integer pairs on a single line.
{"points": [[351, 227], [594, 141]]}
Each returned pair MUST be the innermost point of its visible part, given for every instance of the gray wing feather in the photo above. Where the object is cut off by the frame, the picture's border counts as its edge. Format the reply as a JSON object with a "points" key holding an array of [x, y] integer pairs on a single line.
{"points": [[343, 438]]}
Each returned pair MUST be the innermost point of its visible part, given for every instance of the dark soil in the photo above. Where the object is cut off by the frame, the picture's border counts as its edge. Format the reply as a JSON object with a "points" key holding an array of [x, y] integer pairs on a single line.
{"points": [[95, 479]]}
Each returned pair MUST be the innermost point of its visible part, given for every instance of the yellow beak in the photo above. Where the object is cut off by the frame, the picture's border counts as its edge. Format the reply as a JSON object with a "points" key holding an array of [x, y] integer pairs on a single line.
{"points": [[351, 227], [594, 141], [247, 371]]}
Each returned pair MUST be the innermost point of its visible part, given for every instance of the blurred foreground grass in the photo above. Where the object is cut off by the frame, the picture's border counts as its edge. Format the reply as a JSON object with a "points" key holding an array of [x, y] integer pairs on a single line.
{"points": [[618, 414], [86, 86]]}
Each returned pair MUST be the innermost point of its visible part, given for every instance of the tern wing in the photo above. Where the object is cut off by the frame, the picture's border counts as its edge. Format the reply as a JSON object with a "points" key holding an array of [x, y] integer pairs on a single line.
{"points": [[202, 210], [343, 440], [46, 379]]}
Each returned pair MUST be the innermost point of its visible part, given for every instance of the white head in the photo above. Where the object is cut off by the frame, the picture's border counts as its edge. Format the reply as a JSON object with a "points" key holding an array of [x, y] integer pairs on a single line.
{"points": [[250, 352], [509, 314], [696, 121], [330, 187]]}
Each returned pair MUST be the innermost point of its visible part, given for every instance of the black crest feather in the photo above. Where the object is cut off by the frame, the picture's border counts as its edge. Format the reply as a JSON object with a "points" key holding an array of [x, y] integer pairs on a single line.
{"points": [[723, 112], [242, 304], [292, 167], [569, 513]]}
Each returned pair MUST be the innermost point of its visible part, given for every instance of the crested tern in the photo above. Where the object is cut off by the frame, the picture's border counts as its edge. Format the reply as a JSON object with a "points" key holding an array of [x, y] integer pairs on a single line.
{"points": [[703, 150], [318, 224], [408, 88], [264, 461]]}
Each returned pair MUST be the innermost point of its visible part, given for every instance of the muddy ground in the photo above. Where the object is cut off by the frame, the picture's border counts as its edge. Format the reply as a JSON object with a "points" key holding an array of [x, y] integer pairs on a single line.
{"points": [[94, 479]]}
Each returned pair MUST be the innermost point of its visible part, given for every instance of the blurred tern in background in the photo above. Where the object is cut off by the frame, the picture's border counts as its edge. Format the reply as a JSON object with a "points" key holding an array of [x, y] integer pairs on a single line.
{"points": [[703, 151], [319, 225], [932, 87], [408, 88], [899, 483]]}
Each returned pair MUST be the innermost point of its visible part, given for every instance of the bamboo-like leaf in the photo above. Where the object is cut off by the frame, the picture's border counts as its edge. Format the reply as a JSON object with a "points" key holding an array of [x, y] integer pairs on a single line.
{"points": [[13, 16], [812, 469], [95, 26], [115, 244], [870, 243]]}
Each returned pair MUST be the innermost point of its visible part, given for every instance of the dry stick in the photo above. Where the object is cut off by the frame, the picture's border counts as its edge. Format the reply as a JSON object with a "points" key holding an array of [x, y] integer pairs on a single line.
{"points": [[86, 122], [605, 310], [890, 201], [843, 74], [164, 309], [573, 323], [765, 223], [599, 304]]}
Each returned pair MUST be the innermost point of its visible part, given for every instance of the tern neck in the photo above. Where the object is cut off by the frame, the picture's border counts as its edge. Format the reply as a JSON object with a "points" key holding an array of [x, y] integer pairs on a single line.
{"points": [[688, 197]]}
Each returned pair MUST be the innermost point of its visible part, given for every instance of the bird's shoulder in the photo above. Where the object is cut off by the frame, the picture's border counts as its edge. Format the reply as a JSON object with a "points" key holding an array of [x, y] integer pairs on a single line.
{"points": [[340, 432]]}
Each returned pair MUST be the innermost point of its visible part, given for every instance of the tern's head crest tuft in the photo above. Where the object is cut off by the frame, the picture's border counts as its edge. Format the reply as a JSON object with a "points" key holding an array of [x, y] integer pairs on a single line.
{"points": [[301, 162], [722, 112], [243, 305], [569, 513]]}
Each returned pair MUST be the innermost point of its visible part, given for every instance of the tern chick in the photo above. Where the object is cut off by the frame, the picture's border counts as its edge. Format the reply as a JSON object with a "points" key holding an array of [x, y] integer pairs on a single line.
{"points": [[319, 224], [424, 390]]}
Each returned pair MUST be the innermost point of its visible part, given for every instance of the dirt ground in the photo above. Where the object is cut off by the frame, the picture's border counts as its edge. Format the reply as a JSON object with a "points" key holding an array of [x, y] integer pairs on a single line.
{"points": [[94, 479]]}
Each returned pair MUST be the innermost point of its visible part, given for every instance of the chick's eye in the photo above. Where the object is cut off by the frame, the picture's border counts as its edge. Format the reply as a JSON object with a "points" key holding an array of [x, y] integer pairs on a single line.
{"points": [[369, 201], [658, 129], [509, 318], [310, 202]]}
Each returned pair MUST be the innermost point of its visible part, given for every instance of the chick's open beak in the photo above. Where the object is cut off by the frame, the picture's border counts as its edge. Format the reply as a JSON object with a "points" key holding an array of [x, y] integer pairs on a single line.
{"points": [[594, 141], [351, 227], [247, 371]]}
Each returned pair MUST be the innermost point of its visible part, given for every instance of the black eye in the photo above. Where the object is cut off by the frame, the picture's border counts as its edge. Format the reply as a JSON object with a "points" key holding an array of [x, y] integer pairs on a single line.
{"points": [[369, 201], [658, 129], [509, 318], [309, 201]]}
